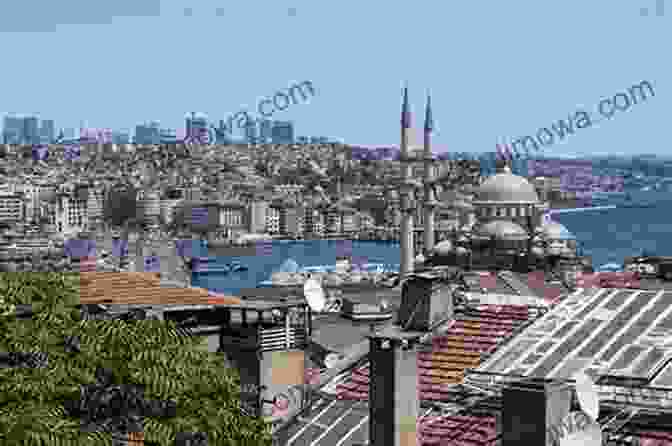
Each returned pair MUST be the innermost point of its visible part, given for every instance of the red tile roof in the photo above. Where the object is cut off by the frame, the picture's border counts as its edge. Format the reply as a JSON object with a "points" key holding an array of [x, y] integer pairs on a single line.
{"points": [[144, 289], [655, 438], [457, 431], [471, 336]]}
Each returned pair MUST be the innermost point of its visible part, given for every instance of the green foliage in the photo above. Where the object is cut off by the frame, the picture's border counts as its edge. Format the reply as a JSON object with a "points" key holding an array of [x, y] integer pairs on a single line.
{"points": [[140, 352]]}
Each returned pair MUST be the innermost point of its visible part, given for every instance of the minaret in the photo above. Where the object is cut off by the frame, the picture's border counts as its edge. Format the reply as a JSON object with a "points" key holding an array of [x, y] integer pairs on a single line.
{"points": [[430, 201], [406, 193]]}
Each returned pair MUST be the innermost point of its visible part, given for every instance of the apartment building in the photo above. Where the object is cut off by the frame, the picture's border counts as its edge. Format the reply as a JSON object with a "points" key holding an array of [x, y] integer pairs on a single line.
{"points": [[292, 220], [273, 219], [70, 213], [313, 221], [232, 214], [258, 222], [12, 207]]}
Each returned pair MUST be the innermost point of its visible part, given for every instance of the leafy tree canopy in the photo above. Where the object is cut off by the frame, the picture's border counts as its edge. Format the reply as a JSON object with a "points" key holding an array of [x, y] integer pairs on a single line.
{"points": [[144, 352]]}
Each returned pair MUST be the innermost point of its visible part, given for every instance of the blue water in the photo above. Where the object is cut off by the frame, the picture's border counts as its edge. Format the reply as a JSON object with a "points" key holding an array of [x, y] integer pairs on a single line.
{"points": [[310, 253], [608, 235]]}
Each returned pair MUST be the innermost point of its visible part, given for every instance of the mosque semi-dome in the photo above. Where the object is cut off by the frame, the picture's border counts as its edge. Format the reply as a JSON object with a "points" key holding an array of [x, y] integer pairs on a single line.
{"points": [[502, 230], [444, 247], [557, 231], [506, 187]]}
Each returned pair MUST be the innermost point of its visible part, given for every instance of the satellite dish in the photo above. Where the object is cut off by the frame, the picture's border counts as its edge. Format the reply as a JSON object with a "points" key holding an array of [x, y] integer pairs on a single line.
{"points": [[314, 294], [331, 360], [586, 392], [591, 435]]}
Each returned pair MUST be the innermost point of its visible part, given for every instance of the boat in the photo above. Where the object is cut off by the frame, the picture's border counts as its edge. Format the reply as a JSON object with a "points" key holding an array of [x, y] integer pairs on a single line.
{"points": [[209, 265]]}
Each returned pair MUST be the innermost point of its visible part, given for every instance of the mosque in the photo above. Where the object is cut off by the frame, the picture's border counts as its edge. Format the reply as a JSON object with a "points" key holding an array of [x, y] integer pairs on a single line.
{"points": [[505, 227]]}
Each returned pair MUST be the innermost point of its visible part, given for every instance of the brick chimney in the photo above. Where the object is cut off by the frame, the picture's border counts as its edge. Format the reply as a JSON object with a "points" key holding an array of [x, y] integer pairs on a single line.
{"points": [[531, 409]]}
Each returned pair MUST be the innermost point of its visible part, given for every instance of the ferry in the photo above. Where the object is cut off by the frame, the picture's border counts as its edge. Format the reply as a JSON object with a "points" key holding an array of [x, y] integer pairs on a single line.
{"points": [[209, 265]]}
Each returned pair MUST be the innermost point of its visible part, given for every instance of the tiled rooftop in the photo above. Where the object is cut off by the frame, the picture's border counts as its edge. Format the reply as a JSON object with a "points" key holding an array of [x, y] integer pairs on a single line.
{"points": [[142, 288], [457, 430], [473, 335]]}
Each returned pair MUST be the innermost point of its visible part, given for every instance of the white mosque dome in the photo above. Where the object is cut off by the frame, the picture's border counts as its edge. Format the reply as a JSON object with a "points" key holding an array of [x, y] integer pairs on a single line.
{"points": [[506, 187]]}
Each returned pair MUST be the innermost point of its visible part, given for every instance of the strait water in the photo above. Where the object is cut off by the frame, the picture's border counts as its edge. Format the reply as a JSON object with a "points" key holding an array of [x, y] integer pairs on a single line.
{"points": [[608, 235]]}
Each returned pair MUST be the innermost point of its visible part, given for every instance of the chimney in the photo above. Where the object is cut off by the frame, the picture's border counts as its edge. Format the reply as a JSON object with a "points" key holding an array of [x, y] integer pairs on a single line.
{"points": [[427, 301], [266, 342], [393, 388], [531, 409]]}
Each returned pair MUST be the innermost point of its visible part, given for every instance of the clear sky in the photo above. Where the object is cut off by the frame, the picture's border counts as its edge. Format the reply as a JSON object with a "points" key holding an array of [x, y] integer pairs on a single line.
{"points": [[496, 70]]}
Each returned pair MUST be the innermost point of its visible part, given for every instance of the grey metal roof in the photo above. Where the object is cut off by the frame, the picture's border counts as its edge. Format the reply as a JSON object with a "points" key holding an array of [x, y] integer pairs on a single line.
{"points": [[609, 332]]}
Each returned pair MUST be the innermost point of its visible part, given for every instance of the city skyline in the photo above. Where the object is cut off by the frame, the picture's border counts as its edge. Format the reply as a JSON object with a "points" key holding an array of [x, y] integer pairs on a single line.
{"points": [[485, 89]]}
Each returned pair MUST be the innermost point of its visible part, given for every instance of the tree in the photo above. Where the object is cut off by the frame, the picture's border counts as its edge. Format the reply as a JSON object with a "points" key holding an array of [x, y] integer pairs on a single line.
{"points": [[36, 403]]}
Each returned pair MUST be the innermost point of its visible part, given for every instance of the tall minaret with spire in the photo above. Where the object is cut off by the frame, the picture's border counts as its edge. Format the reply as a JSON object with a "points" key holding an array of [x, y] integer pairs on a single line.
{"points": [[430, 200], [406, 193]]}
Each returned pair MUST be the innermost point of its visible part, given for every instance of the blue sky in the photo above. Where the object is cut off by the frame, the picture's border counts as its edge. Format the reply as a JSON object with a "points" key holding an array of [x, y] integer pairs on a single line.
{"points": [[496, 70]]}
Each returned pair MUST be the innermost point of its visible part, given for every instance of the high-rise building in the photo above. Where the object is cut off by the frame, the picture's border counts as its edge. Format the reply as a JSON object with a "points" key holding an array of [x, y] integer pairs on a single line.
{"points": [[47, 131], [31, 130], [119, 137], [265, 131], [283, 132], [197, 127], [12, 132], [147, 133], [251, 132]]}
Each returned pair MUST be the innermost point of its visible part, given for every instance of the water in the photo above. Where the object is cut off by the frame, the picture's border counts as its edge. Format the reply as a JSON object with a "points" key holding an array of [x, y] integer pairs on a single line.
{"points": [[609, 235], [309, 253]]}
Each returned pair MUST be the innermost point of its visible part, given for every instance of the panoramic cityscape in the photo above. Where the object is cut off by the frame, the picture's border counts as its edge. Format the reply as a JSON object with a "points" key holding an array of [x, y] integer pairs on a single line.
{"points": [[355, 259]]}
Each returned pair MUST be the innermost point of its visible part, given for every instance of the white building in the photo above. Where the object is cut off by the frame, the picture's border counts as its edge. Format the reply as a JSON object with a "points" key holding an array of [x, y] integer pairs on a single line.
{"points": [[71, 214], [273, 220]]}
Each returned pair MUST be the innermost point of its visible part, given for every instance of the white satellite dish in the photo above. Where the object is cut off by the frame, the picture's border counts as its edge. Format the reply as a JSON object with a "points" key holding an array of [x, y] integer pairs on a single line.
{"points": [[591, 435], [331, 360], [586, 392], [314, 294]]}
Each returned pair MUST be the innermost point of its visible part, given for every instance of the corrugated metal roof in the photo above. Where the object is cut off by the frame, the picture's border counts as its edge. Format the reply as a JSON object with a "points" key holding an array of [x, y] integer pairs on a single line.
{"points": [[609, 331]]}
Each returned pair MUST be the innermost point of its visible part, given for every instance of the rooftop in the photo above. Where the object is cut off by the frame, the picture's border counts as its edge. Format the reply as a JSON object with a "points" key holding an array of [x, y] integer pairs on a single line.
{"points": [[129, 288]]}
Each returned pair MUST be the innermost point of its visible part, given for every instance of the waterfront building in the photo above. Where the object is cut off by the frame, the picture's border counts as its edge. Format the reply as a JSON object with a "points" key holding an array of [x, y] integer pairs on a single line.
{"points": [[291, 222], [258, 213], [232, 215], [273, 218]]}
